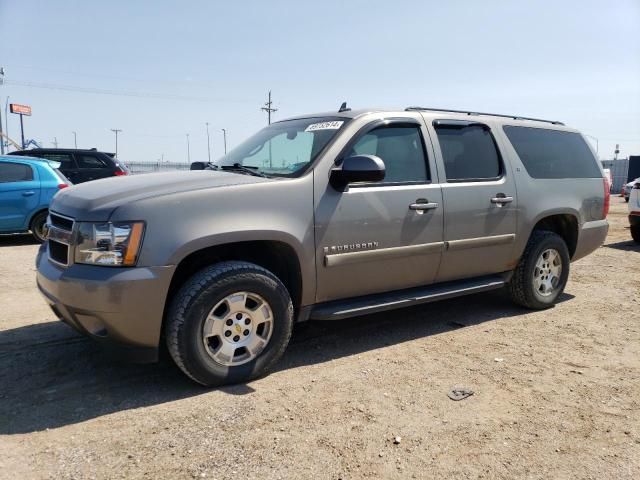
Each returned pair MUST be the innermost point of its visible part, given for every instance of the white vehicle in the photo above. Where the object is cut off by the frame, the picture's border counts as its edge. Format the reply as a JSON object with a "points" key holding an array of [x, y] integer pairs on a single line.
{"points": [[627, 187], [634, 211]]}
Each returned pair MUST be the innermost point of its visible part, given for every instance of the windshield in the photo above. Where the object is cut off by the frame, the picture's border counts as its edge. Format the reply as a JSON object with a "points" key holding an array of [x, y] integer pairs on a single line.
{"points": [[284, 149]]}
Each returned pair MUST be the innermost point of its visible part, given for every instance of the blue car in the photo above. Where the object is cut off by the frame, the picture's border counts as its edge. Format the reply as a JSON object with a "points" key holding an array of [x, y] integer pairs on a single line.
{"points": [[27, 186]]}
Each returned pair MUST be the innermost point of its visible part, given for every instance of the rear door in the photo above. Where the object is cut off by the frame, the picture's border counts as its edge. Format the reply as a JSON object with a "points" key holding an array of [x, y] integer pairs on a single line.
{"points": [[19, 195], [92, 167], [479, 196], [68, 164]]}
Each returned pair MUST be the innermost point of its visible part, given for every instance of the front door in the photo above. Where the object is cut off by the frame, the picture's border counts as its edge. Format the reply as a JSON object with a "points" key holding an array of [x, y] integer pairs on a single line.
{"points": [[480, 201], [378, 237], [19, 195]]}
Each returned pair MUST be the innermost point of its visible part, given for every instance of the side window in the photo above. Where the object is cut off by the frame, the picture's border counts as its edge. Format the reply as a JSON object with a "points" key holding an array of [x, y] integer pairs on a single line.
{"points": [[65, 159], [15, 172], [400, 148], [469, 152], [90, 161], [553, 153]]}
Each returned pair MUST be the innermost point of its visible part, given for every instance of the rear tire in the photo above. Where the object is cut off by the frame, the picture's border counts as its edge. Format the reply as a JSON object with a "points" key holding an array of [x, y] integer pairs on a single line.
{"points": [[229, 323], [542, 271], [635, 233], [37, 226]]}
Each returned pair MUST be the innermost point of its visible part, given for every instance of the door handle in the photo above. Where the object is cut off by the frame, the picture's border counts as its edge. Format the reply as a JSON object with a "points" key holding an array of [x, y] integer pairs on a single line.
{"points": [[422, 205], [501, 199], [27, 194]]}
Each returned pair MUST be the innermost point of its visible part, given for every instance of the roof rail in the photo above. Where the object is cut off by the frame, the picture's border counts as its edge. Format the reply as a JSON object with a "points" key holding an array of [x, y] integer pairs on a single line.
{"points": [[515, 117]]}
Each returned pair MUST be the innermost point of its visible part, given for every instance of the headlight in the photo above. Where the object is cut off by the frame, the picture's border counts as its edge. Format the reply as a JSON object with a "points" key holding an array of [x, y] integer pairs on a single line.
{"points": [[111, 244]]}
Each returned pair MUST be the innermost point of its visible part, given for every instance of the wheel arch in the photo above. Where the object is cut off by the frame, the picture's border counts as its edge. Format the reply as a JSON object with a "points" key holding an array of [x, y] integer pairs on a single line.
{"points": [[564, 223], [277, 256]]}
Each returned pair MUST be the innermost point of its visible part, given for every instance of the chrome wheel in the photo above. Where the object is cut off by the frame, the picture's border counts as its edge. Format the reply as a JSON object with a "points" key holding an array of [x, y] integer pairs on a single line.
{"points": [[546, 274], [238, 328]]}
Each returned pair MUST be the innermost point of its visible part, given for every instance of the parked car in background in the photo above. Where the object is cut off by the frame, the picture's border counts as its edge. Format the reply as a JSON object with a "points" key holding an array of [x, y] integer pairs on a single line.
{"points": [[627, 187], [634, 210], [27, 186], [80, 166]]}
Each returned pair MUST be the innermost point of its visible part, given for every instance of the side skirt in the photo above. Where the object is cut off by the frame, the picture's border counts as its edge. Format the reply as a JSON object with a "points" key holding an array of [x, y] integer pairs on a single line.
{"points": [[352, 307]]}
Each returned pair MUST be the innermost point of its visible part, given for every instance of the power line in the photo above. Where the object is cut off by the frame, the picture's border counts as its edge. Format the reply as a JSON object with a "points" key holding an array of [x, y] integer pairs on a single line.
{"points": [[121, 93]]}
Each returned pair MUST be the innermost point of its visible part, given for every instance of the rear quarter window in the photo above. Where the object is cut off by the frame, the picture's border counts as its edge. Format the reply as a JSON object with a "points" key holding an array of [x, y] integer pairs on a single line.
{"points": [[553, 153], [15, 172]]}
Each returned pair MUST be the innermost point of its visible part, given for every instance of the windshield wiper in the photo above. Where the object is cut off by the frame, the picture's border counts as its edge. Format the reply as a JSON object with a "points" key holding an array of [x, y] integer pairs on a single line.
{"points": [[243, 169]]}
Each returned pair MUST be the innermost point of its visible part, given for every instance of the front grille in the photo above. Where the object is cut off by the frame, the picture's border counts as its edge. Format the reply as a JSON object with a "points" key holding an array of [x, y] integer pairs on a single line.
{"points": [[59, 252], [60, 235], [62, 222]]}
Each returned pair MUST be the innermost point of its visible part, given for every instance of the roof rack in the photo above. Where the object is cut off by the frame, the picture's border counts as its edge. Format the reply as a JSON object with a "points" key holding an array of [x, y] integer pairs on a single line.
{"points": [[515, 117]]}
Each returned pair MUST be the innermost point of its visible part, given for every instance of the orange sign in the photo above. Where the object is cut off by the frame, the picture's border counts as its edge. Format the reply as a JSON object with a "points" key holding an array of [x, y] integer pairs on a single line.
{"points": [[21, 109]]}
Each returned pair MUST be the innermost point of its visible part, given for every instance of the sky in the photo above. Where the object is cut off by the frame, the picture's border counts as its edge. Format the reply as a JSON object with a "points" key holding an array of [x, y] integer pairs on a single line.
{"points": [[159, 70]]}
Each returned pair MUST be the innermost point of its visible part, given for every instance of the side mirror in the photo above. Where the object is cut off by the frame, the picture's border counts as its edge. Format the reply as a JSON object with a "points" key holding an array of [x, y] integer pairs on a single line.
{"points": [[198, 166], [357, 168]]}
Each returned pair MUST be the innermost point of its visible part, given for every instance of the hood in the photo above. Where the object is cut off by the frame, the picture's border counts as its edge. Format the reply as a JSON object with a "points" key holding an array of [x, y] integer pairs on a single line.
{"points": [[96, 200]]}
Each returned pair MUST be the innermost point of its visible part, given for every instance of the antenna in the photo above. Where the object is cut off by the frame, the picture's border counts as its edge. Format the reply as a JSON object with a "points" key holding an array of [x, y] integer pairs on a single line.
{"points": [[344, 108]]}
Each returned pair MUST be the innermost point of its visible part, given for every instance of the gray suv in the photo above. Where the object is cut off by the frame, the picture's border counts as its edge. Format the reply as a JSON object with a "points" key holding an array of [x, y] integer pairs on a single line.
{"points": [[322, 216]]}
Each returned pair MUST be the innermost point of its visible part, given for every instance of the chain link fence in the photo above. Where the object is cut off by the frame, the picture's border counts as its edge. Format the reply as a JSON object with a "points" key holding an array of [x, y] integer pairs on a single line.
{"points": [[149, 167]]}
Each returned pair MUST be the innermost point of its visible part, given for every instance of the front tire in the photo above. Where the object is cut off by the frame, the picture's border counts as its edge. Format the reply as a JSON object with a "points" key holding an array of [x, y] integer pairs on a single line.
{"points": [[229, 323], [542, 271], [37, 226]]}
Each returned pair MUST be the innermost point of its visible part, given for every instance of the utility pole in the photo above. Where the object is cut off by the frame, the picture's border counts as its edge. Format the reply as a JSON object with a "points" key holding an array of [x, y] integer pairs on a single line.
{"points": [[267, 108], [208, 142], [188, 150], [1, 130], [6, 118], [75, 139], [55, 142], [116, 131], [224, 134]]}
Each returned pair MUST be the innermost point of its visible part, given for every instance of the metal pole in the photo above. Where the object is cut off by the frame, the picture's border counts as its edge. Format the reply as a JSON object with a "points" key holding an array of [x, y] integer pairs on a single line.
{"points": [[22, 131], [267, 108], [1, 137], [116, 131], [224, 134], [188, 150], [6, 122], [208, 142], [75, 139], [55, 142]]}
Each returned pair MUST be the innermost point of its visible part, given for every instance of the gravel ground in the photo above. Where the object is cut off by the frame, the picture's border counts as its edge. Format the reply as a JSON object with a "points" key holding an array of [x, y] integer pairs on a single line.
{"points": [[557, 393]]}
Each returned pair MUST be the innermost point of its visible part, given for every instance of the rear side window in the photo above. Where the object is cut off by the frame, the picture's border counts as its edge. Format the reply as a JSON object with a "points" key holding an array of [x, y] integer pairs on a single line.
{"points": [[65, 159], [401, 150], [469, 152], [553, 153], [15, 172], [90, 161]]}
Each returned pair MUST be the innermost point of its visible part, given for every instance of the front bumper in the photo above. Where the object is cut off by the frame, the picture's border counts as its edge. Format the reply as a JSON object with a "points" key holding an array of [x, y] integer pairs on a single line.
{"points": [[121, 307], [590, 237]]}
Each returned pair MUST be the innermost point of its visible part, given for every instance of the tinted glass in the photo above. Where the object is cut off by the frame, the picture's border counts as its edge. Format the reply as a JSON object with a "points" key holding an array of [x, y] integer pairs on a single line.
{"points": [[285, 149], [15, 172], [552, 153], [65, 159], [469, 153], [401, 150], [90, 161]]}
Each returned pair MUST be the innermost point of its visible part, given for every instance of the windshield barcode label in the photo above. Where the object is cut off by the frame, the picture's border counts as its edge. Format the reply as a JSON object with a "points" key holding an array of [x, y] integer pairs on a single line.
{"points": [[324, 126]]}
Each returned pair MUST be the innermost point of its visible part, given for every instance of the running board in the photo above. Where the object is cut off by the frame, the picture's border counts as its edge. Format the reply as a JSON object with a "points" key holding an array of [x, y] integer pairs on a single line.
{"points": [[339, 309]]}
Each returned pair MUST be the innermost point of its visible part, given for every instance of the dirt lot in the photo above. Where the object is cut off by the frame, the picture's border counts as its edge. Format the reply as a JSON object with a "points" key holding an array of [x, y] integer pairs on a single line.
{"points": [[557, 393]]}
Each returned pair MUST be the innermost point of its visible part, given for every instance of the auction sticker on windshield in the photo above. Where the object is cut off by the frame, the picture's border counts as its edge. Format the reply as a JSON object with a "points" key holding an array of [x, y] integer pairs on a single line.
{"points": [[324, 126]]}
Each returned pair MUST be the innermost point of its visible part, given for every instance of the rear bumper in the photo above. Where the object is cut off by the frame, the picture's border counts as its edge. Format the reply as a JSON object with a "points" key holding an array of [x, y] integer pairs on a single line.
{"points": [[590, 237], [121, 307]]}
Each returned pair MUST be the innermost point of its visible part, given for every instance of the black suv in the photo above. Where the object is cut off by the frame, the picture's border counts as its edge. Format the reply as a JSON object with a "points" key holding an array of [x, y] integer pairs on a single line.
{"points": [[80, 165]]}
